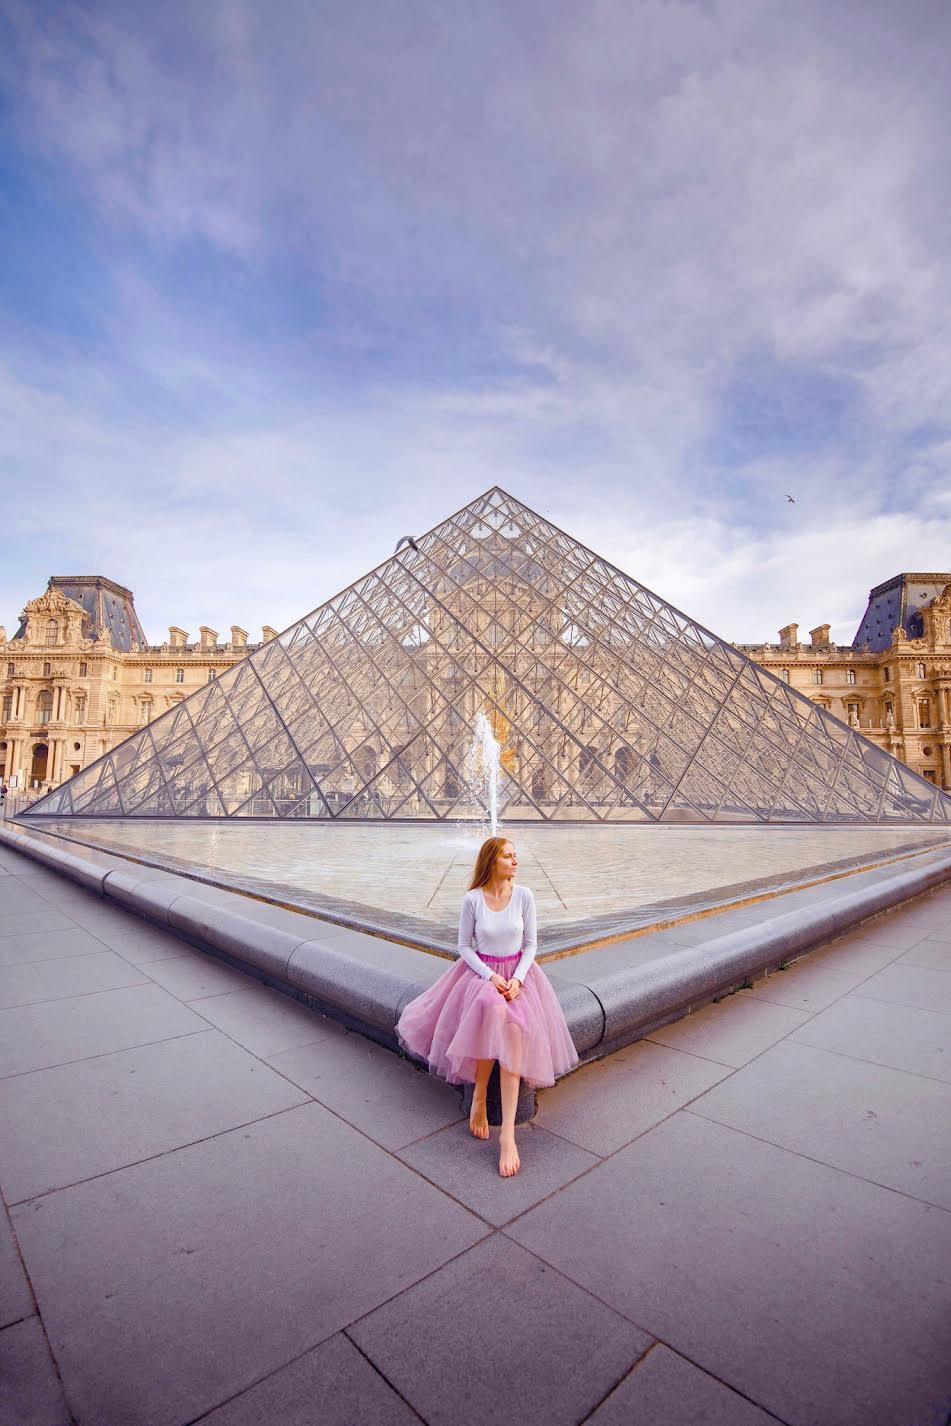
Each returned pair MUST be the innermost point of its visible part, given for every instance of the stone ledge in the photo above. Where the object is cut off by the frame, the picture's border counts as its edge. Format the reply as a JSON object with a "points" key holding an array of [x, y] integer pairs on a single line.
{"points": [[602, 1015]]}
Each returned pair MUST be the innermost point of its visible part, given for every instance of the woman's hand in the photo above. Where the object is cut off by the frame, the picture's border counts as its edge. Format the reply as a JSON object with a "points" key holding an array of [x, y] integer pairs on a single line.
{"points": [[500, 984], [512, 988]]}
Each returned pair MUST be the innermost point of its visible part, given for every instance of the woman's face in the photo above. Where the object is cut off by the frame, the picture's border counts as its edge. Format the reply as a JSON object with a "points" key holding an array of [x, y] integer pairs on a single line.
{"points": [[506, 863]]}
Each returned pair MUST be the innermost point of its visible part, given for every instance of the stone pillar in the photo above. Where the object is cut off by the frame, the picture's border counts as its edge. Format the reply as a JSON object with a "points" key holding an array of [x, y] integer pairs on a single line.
{"points": [[946, 762], [51, 746]]}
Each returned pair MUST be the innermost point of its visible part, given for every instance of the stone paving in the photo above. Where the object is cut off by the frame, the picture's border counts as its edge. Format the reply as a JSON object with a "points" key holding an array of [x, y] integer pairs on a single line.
{"points": [[223, 1208]]}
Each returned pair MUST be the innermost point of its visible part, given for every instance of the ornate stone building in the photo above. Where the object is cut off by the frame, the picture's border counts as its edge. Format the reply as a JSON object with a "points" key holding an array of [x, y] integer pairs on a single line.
{"points": [[893, 682], [79, 676]]}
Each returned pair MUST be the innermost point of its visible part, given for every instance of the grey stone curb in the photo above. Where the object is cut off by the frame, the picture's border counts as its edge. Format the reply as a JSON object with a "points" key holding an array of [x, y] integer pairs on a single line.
{"points": [[649, 995], [611, 1011]]}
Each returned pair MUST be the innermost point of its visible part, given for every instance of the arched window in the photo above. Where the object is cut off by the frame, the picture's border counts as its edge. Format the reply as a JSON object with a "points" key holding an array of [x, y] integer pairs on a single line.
{"points": [[924, 712], [784, 674], [52, 632], [47, 670], [919, 670], [44, 706], [850, 675], [817, 675]]}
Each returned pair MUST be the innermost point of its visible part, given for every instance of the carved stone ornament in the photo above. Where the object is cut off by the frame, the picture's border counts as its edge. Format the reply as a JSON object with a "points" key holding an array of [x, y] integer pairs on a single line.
{"points": [[54, 604]]}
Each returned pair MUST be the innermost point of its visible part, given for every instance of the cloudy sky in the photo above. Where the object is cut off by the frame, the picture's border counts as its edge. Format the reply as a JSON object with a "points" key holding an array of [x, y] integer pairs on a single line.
{"points": [[282, 282]]}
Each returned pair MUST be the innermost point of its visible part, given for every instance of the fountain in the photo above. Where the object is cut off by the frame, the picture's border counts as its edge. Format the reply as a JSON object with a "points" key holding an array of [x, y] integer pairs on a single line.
{"points": [[483, 761]]}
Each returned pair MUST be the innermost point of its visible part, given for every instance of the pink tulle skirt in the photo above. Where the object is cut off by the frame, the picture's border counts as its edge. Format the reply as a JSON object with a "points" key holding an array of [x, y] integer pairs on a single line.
{"points": [[462, 1019]]}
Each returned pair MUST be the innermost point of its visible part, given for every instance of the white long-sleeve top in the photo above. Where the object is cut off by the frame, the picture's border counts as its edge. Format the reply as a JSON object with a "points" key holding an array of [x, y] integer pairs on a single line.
{"points": [[509, 932]]}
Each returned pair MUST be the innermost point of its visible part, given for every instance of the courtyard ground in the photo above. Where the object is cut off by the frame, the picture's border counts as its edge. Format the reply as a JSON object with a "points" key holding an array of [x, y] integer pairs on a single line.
{"points": [[222, 1207]]}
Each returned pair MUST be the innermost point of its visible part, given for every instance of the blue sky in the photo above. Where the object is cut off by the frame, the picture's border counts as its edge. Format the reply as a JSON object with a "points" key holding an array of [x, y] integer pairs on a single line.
{"points": [[279, 284]]}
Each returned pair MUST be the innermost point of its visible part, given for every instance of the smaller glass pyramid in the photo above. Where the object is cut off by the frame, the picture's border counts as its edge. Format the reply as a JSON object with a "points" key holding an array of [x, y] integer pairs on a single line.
{"points": [[609, 704]]}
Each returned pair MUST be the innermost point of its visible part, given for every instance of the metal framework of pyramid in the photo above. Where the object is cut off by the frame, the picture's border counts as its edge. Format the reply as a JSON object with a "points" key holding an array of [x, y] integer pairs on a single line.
{"points": [[609, 704]]}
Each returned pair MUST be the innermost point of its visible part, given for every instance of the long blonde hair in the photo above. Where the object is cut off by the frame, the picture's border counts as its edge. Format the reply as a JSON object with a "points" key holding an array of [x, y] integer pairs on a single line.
{"points": [[485, 861]]}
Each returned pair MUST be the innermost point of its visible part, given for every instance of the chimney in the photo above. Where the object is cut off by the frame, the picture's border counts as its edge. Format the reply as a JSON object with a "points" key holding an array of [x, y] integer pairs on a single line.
{"points": [[267, 633], [789, 637], [178, 638], [209, 637], [820, 636], [239, 637]]}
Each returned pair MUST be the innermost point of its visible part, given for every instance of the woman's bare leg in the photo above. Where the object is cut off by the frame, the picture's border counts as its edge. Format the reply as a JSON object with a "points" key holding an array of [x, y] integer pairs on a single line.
{"points": [[478, 1119], [509, 1162]]}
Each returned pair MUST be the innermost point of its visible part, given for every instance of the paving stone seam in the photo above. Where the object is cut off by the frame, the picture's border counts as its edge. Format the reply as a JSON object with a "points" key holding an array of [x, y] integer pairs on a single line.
{"points": [[585, 1287], [822, 1163], [620, 1381], [48, 960], [78, 994], [53, 1358], [660, 1342], [881, 1000], [408, 1286], [439, 886], [861, 1060], [393, 1153], [36, 1309], [237, 1395], [497, 1226], [100, 1054], [440, 1128], [549, 1267], [163, 1154], [383, 1376]]}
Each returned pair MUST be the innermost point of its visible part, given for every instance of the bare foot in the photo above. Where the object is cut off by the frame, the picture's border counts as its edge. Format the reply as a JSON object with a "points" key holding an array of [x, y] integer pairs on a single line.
{"points": [[509, 1161], [478, 1121]]}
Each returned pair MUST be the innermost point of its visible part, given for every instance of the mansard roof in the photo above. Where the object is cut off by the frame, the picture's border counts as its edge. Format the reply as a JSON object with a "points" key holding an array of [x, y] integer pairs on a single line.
{"points": [[898, 604], [110, 609]]}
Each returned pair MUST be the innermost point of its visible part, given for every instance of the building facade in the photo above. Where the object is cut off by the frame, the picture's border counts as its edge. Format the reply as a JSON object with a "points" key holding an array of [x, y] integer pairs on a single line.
{"points": [[79, 676], [893, 683]]}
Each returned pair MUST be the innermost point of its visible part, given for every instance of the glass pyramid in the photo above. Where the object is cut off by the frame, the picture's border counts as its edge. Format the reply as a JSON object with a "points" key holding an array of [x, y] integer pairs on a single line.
{"points": [[609, 704]]}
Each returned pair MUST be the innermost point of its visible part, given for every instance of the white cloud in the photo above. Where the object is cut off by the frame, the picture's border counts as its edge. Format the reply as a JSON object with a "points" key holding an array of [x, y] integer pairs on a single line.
{"points": [[614, 207]]}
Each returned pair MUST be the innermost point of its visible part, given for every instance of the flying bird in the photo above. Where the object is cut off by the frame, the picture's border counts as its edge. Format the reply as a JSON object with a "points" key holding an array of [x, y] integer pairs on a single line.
{"points": [[406, 540], [790, 499]]}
